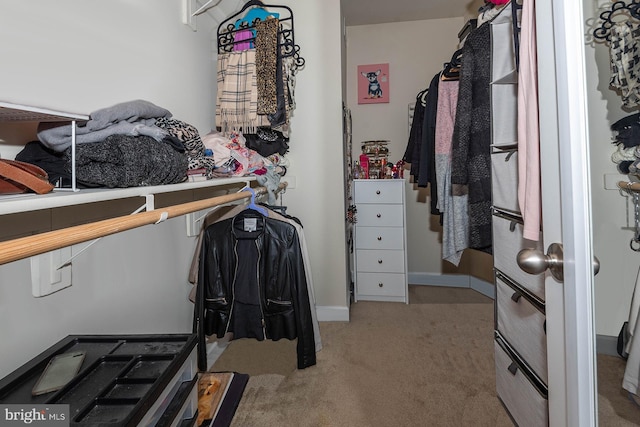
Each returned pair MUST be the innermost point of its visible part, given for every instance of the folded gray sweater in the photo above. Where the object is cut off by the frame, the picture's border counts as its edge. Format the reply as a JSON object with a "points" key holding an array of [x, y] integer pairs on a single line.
{"points": [[132, 118]]}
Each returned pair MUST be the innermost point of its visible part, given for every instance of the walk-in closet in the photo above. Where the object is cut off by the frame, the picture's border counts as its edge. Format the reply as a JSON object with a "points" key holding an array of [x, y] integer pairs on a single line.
{"points": [[441, 227]]}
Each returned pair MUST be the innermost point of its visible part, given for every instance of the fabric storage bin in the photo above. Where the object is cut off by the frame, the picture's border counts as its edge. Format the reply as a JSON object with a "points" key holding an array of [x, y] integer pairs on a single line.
{"points": [[525, 402], [504, 179], [504, 108], [503, 63], [522, 325], [508, 231]]}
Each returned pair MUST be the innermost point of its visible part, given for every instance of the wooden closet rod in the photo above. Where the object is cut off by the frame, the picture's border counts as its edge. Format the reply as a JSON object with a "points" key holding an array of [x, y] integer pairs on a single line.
{"points": [[632, 186], [25, 247]]}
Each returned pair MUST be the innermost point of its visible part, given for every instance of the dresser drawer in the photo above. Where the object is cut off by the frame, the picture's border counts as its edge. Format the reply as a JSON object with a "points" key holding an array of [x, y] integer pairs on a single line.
{"points": [[525, 403], [380, 261], [509, 233], [380, 215], [381, 284], [378, 191], [523, 326], [380, 238], [504, 180]]}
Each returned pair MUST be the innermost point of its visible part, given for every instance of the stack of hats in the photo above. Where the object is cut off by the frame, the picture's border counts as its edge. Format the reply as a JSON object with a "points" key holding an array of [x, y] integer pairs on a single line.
{"points": [[627, 140]]}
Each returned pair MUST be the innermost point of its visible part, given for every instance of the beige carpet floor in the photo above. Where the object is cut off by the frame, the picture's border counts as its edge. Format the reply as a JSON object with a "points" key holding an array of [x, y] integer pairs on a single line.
{"points": [[428, 363]]}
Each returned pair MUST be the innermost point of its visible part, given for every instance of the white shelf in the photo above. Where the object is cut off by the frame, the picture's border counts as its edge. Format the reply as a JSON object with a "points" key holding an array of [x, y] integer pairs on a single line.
{"points": [[16, 112], [16, 203], [60, 197]]}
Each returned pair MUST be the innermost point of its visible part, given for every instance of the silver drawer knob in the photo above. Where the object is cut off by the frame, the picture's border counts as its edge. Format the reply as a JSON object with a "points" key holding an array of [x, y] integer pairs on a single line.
{"points": [[379, 261], [379, 215], [378, 192], [379, 238], [380, 284]]}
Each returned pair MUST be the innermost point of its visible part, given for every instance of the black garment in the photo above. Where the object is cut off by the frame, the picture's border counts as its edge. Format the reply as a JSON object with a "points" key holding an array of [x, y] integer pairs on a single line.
{"points": [[128, 161], [471, 149], [628, 131], [267, 141], [428, 133], [53, 163], [427, 174], [412, 152], [251, 280]]}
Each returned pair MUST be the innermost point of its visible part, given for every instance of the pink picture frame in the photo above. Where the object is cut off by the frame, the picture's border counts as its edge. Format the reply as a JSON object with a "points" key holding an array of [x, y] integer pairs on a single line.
{"points": [[373, 83]]}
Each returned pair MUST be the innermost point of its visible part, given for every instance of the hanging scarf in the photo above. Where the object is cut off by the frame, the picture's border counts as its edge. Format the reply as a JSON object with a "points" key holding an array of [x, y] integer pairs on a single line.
{"points": [[266, 61]]}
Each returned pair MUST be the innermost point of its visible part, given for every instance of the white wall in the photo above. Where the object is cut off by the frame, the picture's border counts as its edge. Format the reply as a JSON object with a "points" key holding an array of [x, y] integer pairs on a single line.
{"points": [[80, 56], [618, 263], [415, 51]]}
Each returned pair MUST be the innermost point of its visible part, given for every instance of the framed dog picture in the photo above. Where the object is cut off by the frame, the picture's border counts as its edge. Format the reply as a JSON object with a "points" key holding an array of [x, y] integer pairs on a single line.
{"points": [[373, 83]]}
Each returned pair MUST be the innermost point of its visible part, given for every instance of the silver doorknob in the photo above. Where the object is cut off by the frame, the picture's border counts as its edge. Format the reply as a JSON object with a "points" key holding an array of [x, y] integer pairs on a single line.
{"points": [[533, 261]]}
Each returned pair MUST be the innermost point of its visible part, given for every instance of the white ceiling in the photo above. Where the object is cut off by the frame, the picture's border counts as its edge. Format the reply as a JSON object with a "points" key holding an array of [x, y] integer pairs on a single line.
{"points": [[365, 12]]}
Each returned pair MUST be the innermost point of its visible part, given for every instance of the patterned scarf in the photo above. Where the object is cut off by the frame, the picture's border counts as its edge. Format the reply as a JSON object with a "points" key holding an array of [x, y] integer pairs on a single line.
{"points": [[266, 62], [237, 101]]}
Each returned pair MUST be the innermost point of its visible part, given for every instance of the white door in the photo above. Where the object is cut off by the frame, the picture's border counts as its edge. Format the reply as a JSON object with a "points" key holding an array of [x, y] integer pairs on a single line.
{"points": [[566, 216]]}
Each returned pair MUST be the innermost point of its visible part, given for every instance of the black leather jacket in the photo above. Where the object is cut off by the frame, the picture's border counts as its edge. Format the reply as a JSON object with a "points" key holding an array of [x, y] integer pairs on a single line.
{"points": [[252, 282]]}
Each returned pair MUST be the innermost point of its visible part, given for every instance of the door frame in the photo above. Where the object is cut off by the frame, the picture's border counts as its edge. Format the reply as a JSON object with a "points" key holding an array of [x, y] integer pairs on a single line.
{"points": [[564, 148]]}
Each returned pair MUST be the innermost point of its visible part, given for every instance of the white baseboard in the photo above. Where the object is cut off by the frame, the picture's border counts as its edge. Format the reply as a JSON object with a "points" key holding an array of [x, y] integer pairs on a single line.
{"points": [[485, 288], [341, 314], [434, 279], [453, 281], [332, 313], [606, 344]]}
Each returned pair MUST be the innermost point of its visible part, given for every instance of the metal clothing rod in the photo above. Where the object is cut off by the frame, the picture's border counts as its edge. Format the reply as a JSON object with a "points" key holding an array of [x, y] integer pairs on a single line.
{"points": [[25, 247]]}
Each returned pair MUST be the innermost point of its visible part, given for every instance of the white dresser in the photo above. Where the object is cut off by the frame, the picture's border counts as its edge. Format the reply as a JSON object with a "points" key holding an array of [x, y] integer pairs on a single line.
{"points": [[380, 240]]}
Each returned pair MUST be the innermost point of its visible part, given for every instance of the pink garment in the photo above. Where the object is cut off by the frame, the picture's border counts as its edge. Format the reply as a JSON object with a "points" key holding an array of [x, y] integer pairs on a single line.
{"points": [[499, 1], [239, 38], [528, 131]]}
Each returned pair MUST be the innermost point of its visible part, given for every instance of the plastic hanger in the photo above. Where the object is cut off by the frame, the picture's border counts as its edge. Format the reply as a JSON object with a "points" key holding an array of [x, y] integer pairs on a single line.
{"points": [[252, 204], [256, 13]]}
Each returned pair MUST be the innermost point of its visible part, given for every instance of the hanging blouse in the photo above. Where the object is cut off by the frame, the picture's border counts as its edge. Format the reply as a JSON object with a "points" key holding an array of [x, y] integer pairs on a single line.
{"points": [[625, 62]]}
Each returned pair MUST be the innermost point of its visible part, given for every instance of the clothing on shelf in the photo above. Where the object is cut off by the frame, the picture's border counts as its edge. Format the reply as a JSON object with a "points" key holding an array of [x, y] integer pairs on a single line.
{"points": [[128, 118], [127, 161], [190, 138]]}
